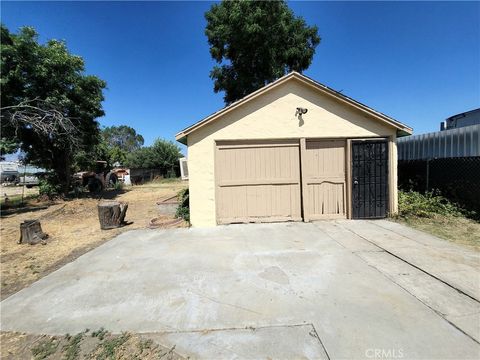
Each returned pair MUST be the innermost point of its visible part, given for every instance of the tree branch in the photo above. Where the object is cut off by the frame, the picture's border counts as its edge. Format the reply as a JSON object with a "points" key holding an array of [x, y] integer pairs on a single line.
{"points": [[42, 119]]}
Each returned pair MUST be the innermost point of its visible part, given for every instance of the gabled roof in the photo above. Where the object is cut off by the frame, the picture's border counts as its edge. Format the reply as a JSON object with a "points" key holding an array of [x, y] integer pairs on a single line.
{"points": [[402, 128]]}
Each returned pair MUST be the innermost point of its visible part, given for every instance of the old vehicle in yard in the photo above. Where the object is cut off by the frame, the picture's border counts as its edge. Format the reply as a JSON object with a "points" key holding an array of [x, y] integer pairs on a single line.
{"points": [[9, 172], [99, 179], [29, 180]]}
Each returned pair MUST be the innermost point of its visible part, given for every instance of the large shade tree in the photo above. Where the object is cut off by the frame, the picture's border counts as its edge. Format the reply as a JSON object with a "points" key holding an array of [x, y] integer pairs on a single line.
{"points": [[256, 42], [120, 141], [49, 105]]}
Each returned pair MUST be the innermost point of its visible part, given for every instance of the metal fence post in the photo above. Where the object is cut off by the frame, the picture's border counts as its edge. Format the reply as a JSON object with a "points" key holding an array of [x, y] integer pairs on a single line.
{"points": [[23, 185], [428, 176]]}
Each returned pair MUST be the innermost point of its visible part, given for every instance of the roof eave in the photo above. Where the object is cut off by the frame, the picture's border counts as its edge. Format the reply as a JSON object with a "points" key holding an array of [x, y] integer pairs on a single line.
{"points": [[181, 138], [404, 132], [232, 106], [402, 129]]}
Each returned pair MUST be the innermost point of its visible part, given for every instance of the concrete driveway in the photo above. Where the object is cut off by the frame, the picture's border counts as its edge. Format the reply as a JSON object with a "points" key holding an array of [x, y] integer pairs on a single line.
{"points": [[337, 289]]}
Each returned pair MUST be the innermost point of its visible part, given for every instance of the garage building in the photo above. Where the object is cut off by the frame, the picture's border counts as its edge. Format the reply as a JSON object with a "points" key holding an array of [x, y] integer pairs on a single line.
{"points": [[293, 150]]}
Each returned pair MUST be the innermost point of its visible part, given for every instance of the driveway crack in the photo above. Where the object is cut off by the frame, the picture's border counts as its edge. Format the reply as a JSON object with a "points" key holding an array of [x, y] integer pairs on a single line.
{"points": [[225, 303], [314, 333]]}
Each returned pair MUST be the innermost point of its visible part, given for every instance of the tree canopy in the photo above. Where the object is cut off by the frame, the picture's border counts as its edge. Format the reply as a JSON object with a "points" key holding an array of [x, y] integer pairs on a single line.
{"points": [[256, 42], [120, 141], [49, 106], [123, 137], [161, 155]]}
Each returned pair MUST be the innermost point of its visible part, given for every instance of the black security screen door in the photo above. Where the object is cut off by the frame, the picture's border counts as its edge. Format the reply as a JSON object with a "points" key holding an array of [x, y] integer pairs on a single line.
{"points": [[369, 179]]}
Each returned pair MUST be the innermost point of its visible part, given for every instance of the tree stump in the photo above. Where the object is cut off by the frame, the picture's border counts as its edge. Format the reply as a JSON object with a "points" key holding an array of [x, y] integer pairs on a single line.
{"points": [[31, 232], [111, 214]]}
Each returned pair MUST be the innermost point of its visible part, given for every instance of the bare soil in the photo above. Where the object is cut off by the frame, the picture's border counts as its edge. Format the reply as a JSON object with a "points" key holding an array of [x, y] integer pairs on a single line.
{"points": [[98, 344], [73, 230]]}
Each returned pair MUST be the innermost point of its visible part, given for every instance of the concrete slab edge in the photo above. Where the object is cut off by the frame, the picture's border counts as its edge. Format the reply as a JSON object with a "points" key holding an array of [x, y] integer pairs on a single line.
{"points": [[438, 313], [313, 332], [417, 267]]}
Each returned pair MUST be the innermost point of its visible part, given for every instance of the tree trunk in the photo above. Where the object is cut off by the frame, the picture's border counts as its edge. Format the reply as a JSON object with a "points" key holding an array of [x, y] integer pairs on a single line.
{"points": [[31, 232], [63, 172], [111, 214], [62, 169]]}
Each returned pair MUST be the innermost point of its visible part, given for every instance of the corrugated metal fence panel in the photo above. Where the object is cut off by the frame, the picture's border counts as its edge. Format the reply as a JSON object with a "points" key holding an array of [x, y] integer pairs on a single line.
{"points": [[452, 143]]}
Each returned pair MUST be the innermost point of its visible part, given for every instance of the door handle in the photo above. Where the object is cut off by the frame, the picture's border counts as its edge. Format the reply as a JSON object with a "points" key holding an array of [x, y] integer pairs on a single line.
{"points": [[355, 182]]}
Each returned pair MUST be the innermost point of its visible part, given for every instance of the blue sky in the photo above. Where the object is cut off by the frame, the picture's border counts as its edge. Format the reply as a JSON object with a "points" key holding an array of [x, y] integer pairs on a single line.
{"points": [[415, 61]]}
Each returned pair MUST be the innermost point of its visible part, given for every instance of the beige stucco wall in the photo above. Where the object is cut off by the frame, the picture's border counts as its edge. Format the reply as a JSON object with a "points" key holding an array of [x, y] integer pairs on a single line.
{"points": [[272, 116]]}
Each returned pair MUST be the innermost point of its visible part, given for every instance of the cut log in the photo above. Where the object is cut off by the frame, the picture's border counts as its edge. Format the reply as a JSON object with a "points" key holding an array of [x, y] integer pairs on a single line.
{"points": [[111, 214], [31, 232]]}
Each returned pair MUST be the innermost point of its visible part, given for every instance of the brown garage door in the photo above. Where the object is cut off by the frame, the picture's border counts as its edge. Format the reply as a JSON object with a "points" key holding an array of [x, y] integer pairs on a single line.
{"points": [[257, 181], [323, 173]]}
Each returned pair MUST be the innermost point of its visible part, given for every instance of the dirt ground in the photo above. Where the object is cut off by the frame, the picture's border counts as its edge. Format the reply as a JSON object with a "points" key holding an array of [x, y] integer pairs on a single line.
{"points": [[98, 344], [459, 230], [73, 229]]}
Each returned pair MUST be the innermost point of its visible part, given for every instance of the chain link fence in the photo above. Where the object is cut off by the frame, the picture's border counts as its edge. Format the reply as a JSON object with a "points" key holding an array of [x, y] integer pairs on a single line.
{"points": [[457, 179]]}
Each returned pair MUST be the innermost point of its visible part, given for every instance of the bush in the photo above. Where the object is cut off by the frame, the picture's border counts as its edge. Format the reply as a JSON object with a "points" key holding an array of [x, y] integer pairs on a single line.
{"points": [[412, 203], [48, 188], [183, 210], [118, 186], [171, 174]]}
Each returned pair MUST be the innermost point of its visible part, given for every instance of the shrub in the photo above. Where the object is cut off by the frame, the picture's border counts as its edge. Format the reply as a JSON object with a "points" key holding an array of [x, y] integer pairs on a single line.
{"points": [[118, 185], [171, 174], [183, 210], [412, 203], [48, 188]]}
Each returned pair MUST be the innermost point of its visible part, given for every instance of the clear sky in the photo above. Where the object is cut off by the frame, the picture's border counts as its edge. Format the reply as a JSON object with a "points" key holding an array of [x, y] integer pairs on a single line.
{"points": [[418, 62]]}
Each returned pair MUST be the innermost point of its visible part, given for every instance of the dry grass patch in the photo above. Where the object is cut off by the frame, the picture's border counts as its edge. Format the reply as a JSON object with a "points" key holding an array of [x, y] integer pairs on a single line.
{"points": [[432, 213], [459, 230], [13, 195], [73, 229]]}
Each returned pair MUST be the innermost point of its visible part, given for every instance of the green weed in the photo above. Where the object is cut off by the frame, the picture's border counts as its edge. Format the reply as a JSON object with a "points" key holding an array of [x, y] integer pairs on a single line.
{"points": [[44, 349], [429, 205], [109, 346], [183, 210], [100, 333], [72, 348]]}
